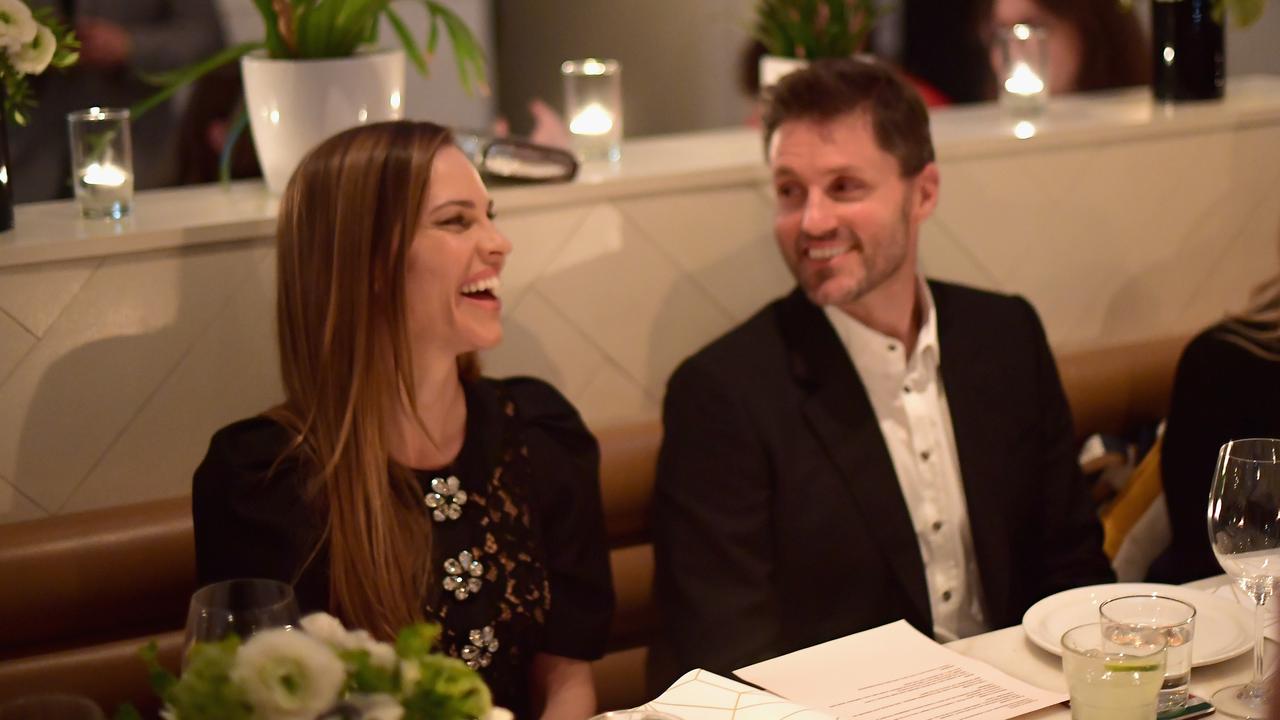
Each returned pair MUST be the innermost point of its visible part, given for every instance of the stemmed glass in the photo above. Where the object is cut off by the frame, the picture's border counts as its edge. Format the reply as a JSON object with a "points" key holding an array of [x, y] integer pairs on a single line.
{"points": [[1244, 530], [240, 607]]}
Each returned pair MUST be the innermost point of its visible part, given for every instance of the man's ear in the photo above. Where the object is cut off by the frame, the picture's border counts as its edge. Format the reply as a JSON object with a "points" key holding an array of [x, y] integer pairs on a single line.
{"points": [[925, 193]]}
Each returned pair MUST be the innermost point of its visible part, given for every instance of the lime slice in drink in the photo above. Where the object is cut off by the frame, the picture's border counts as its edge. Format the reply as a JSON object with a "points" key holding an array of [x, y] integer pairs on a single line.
{"points": [[1131, 667]]}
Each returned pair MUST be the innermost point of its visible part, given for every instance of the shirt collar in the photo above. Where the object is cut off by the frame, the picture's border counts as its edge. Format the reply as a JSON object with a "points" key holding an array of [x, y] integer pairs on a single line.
{"points": [[870, 348]]}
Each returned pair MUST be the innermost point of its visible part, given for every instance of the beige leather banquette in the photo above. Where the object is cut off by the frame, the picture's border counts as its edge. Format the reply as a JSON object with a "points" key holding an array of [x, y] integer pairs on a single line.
{"points": [[79, 594]]}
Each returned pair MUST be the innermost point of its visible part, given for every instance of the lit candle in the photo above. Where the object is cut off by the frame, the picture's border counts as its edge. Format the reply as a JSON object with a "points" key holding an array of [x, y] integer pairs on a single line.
{"points": [[106, 175], [593, 120], [1024, 81]]}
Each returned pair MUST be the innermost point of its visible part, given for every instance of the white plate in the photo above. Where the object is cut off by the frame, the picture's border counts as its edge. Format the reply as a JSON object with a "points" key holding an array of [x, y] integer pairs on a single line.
{"points": [[1224, 628]]}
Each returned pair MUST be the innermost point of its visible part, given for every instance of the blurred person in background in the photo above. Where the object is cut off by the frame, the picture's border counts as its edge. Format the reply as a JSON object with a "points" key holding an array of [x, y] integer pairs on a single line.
{"points": [[1093, 44], [120, 40], [1227, 387]]}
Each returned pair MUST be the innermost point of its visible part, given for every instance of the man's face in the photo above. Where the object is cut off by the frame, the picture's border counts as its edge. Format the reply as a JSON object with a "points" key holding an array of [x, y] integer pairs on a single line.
{"points": [[845, 219]]}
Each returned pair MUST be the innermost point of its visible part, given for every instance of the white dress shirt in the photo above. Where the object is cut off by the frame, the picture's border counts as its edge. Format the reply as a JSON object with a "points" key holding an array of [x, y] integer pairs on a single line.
{"points": [[910, 404]]}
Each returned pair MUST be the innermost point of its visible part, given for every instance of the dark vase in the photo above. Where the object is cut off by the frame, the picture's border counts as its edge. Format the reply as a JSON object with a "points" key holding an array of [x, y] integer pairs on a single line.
{"points": [[6, 190], [1188, 58]]}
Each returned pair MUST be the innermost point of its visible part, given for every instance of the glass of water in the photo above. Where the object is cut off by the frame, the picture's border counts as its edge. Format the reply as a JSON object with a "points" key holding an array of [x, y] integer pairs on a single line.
{"points": [[101, 161], [1112, 678], [1244, 530], [1131, 615]]}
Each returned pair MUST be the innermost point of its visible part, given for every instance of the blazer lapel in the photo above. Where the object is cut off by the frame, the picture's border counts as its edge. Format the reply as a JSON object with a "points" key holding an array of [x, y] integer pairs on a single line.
{"points": [[840, 415], [980, 449]]}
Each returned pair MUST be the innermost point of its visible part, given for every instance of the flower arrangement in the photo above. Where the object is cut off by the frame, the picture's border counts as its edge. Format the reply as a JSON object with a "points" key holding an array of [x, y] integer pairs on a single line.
{"points": [[29, 44], [812, 29], [313, 29], [321, 670]]}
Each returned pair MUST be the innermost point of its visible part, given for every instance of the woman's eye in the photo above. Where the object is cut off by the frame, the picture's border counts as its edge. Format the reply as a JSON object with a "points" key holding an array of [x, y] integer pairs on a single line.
{"points": [[457, 221]]}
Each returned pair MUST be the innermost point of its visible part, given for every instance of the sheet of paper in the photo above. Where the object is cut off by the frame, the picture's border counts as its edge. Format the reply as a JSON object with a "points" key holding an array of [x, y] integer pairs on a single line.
{"points": [[702, 695], [893, 673]]}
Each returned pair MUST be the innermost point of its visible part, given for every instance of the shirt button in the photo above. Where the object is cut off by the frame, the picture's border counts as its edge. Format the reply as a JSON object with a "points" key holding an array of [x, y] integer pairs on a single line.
{"points": [[946, 595], [924, 455], [906, 388], [937, 525], [892, 347]]}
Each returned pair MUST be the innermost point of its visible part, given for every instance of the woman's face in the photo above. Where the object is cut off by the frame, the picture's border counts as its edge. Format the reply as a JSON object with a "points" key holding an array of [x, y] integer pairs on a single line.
{"points": [[452, 268], [1064, 43]]}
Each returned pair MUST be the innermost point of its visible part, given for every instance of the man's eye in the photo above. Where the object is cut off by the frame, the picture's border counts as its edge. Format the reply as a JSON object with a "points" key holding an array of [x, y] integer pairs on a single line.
{"points": [[846, 186], [787, 192]]}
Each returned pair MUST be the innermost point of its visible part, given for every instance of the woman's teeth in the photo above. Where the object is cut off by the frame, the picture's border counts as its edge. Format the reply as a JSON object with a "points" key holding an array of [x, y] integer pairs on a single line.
{"points": [[489, 284]]}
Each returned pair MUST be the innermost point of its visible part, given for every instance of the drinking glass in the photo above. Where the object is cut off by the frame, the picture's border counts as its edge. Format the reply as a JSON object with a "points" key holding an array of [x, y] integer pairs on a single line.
{"points": [[101, 161], [1112, 678], [1174, 619], [240, 607], [56, 706], [1244, 530]]}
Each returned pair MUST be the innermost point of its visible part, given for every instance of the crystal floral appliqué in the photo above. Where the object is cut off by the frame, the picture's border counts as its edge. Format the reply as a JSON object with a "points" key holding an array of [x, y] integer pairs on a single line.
{"points": [[462, 575], [445, 499], [480, 647]]}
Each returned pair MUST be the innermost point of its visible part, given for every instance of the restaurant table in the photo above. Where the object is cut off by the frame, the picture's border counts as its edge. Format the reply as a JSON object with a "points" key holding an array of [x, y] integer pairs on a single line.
{"points": [[1010, 651]]}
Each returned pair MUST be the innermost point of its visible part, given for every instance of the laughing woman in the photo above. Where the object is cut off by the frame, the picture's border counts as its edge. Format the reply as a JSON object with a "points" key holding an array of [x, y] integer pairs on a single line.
{"points": [[394, 484]]}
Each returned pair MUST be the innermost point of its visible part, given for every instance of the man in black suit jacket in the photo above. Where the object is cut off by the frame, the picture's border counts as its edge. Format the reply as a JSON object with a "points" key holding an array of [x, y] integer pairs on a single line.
{"points": [[870, 447]]}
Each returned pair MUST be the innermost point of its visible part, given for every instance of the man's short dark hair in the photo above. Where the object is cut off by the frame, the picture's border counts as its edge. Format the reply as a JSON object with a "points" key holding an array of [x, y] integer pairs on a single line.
{"points": [[829, 88]]}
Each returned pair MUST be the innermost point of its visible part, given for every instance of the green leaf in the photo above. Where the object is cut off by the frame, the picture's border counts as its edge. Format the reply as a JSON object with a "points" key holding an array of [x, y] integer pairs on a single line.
{"points": [[466, 49], [172, 81], [365, 677], [238, 124], [447, 690], [274, 43], [406, 39], [127, 712], [160, 679], [205, 689], [417, 641]]}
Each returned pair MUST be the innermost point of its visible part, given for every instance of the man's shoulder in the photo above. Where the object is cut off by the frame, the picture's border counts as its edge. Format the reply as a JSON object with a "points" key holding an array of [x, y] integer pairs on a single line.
{"points": [[973, 312], [745, 350], [964, 298]]}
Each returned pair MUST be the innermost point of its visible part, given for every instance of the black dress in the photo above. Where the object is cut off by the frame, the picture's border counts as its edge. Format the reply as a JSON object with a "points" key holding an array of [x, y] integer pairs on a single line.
{"points": [[1221, 392], [520, 563]]}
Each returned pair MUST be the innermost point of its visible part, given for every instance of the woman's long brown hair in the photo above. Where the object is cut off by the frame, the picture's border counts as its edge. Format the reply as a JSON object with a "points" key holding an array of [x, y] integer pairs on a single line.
{"points": [[347, 219]]}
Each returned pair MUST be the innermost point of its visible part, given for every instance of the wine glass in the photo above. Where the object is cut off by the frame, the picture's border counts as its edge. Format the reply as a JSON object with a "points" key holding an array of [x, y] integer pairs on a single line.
{"points": [[240, 607], [1244, 530]]}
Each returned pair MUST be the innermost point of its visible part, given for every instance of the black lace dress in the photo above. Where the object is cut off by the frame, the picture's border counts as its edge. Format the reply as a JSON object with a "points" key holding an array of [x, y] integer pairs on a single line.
{"points": [[519, 554]]}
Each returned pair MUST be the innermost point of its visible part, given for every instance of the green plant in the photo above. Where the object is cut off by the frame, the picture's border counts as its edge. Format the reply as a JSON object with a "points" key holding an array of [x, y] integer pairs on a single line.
{"points": [[313, 29], [813, 29], [30, 43], [1243, 13]]}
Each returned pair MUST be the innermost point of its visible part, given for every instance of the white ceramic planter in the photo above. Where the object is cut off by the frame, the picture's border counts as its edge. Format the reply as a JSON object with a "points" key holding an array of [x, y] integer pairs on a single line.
{"points": [[293, 105], [773, 67]]}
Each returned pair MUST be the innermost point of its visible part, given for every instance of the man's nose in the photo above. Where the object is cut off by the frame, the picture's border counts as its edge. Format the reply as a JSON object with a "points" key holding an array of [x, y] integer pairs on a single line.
{"points": [[819, 216]]}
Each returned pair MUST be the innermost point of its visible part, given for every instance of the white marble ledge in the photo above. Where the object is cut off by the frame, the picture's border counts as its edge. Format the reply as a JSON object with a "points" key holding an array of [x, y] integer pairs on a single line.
{"points": [[670, 164]]}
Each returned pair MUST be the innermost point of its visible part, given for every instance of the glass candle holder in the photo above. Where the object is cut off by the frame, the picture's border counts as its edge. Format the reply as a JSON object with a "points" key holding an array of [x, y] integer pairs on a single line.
{"points": [[593, 107], [101, 161], [1024, 56]]}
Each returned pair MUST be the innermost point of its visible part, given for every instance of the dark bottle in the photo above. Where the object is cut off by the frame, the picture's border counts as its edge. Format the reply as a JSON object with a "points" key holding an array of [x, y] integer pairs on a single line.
{"points": [[1188, 58]]}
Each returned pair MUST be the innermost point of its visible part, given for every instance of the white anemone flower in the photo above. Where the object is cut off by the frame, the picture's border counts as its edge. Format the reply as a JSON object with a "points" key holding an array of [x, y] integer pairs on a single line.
{"points": [[34, 57], [499, 713], [287, 675], [17, 26], [329, 629], [379, 706]]}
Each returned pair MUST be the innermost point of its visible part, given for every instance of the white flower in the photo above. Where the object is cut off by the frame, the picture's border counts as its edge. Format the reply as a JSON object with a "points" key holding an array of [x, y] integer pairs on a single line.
{"points": [[34, 57], [287, 675], [499, 713], [329, 629], [17, 26], [410, 674], [377, 707]]}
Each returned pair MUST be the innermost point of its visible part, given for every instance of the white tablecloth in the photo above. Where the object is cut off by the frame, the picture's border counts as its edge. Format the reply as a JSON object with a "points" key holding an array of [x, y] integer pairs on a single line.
{"points": [[1011, 651]]}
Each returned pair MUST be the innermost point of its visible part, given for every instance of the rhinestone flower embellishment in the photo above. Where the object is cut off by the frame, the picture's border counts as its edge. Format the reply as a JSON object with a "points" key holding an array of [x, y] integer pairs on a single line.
{"points": [[445, 499], [462, 575], [478, 653]]}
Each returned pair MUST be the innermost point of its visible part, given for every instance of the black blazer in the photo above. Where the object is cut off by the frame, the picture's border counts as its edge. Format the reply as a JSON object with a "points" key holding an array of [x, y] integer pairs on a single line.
{"points": [[778, 520]]}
